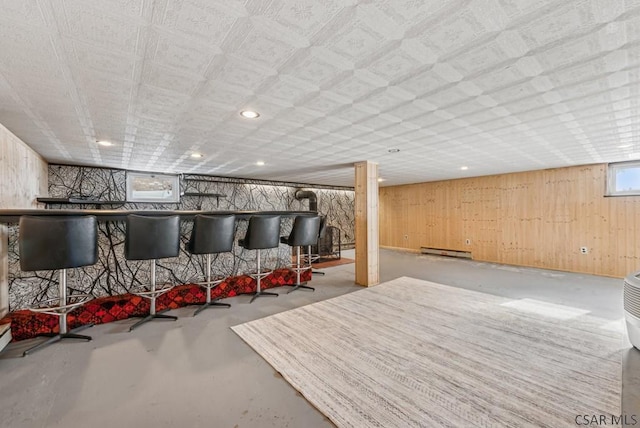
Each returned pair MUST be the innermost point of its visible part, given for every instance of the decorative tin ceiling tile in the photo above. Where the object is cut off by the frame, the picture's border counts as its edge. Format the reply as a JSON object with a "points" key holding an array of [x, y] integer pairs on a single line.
{"points": [[519, 84]]}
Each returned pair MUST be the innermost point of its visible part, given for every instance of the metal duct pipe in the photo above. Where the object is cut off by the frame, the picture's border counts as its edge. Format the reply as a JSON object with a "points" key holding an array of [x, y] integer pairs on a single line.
{"points": [[308, 194]]}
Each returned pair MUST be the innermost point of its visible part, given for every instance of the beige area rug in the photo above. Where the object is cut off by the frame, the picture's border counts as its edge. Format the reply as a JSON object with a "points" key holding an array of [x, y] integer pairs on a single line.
{"points": [[412, 353]]}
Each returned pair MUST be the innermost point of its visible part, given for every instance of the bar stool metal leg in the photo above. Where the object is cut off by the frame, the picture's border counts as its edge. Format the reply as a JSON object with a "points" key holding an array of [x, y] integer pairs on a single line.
{"points": [[259, 276], [61, 312], [311, 258], [298, 269], [209, 285], [152, 295]]}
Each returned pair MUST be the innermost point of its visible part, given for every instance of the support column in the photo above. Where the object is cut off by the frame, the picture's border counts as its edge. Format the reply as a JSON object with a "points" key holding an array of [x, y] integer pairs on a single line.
{"points": [[366, 203], [4, 270]]}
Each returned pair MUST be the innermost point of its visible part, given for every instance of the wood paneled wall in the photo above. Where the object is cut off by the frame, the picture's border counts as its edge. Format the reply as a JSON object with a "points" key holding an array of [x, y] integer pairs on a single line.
{"points": [[23, 177], [537, 218], [23, 173]]}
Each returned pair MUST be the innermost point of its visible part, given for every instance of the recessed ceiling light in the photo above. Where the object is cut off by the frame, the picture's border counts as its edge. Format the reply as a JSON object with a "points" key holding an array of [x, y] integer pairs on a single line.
{"points": [[196, 155], [393, 150], [260, 163], [249, 114], [380, 180], [625, 146], [464, 168], [105, 143], [634, 155]]}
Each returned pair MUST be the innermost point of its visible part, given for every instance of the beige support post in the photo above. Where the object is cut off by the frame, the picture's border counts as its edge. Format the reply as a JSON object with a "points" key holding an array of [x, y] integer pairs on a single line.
{"points": [[4, 270], [366, 204]]}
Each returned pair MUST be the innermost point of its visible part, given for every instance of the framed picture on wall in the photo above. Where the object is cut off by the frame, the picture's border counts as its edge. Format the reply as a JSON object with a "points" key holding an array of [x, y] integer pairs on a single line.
{"points": [[148, 187]]}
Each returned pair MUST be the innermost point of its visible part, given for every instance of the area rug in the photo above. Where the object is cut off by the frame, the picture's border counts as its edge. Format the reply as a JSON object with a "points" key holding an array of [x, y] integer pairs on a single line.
{"points": [[412, 353], [332, 263]]}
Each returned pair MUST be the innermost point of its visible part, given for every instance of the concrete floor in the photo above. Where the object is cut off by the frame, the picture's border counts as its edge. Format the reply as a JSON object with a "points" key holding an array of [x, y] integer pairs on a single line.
{"points": [[196, 372]]}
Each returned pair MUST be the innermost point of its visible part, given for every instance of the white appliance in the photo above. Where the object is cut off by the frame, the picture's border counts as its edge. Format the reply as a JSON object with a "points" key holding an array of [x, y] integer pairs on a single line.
{"points": [[5, 335], [632, 307]]}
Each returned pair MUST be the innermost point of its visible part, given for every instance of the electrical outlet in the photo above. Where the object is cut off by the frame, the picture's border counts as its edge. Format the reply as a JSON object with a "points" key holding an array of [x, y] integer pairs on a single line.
{"points": [[584, 250], [467, 241]]}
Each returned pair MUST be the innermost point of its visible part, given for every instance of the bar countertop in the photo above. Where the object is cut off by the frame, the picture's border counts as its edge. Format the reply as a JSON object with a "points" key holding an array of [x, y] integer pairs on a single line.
{"points": [[13, 215]]}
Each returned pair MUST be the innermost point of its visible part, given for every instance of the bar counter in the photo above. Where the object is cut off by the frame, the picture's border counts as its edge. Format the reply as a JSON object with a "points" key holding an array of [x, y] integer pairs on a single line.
{"points": [[13, 215], [113, 277]]}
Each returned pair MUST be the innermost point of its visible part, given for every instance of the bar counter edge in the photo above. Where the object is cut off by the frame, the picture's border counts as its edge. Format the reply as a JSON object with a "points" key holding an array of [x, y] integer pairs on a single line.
{"points": [[13, 215]]}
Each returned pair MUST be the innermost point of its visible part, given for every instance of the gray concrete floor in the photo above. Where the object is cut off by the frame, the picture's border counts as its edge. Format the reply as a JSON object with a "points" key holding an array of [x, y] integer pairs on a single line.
{"points": [[196, 372]]}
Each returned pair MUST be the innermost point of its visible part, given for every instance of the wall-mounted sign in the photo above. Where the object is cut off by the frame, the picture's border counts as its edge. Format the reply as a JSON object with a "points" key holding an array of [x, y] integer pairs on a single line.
{"points": [[146, 187]]}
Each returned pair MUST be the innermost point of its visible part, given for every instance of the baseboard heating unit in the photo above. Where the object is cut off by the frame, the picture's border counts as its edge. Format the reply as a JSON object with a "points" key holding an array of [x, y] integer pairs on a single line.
{"points": [[444, 252]]}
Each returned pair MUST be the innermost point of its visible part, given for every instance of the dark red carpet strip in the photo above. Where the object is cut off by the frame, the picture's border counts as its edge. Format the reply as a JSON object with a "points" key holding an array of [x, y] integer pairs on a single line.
{"points": [[26, 324]]}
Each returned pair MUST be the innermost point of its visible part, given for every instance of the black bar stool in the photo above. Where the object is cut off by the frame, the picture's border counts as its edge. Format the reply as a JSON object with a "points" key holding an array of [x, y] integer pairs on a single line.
{"points": [[311, 258], [52, 243], [263, 232], [303, 233], [211, 235], [152, 238]]}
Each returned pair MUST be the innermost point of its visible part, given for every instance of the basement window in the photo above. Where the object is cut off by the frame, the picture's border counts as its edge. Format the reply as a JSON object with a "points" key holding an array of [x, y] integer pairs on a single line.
{"points": [[623, 179]]}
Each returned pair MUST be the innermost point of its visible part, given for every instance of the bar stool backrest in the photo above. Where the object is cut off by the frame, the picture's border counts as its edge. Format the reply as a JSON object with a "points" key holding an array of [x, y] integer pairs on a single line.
{"points": [[263, 232], [212, 234], [51, 243], [150, 238], [305, 231]]}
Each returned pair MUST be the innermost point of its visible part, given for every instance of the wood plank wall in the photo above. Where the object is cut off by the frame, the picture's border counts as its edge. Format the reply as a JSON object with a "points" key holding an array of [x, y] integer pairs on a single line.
{"points": [[23, 173], [23, 177], [537, 218]]}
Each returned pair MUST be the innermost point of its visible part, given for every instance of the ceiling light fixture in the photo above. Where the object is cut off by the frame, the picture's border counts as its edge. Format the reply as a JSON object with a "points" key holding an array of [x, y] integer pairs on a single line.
{"points": [[380, 179], [196, 155], [105, 143], [393, 150], [249, 114], [260, 163], [464, 168], [625, 146]]}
